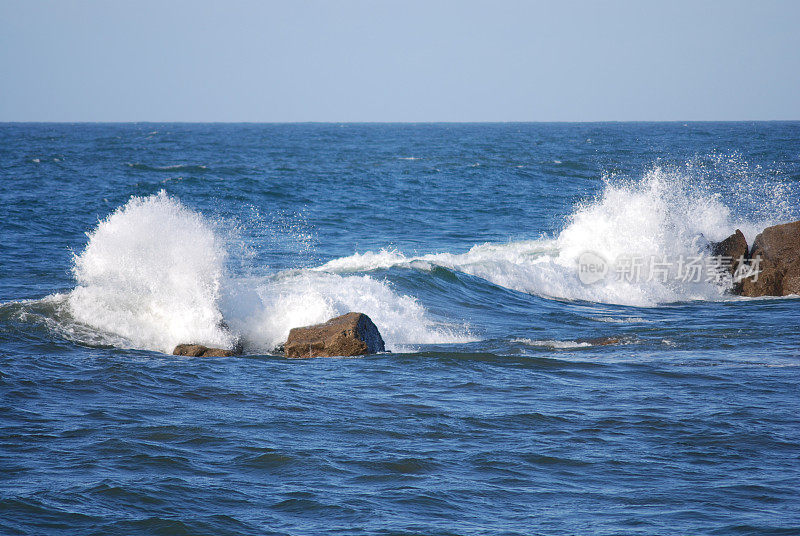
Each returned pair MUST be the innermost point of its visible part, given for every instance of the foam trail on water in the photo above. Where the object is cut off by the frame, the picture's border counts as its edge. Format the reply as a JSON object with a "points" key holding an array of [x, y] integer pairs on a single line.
{"points": [[557, 345]]}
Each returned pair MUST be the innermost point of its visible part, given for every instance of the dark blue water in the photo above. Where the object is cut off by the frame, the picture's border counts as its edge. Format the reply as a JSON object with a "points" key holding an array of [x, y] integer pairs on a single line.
{"points": [[516, 399]]}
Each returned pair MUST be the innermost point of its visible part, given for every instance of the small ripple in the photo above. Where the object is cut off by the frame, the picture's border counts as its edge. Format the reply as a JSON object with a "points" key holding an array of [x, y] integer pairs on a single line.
{"points": [[264, 459]]}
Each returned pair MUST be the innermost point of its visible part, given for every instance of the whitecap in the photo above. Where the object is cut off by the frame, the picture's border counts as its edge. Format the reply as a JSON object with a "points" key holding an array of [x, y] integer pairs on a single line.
{"points": [[153, 275]]}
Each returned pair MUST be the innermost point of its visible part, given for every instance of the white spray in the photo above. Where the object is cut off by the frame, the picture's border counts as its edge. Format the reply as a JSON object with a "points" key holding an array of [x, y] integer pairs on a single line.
{"points": [[153, 276]]}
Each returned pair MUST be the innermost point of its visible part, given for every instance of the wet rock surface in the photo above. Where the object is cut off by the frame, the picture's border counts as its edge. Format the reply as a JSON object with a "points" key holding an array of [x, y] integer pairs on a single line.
{"points": [[777, 249], [347, 335], [198, 350]]}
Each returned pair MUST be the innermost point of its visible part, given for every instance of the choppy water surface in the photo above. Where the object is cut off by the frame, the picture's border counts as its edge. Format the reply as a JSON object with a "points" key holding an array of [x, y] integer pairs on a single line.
{"points": [[515, 399]]}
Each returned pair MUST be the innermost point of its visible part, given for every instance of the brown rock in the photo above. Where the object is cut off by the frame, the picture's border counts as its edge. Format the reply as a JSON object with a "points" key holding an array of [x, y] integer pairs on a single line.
{"points": [[732, 248], [346, 335], [198, 350], [778, 248]]}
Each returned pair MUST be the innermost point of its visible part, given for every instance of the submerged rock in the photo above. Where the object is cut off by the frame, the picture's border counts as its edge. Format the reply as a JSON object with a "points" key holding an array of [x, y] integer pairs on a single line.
{"points": [[347, 335], [198, 350], [601, 341], [777, 249]]}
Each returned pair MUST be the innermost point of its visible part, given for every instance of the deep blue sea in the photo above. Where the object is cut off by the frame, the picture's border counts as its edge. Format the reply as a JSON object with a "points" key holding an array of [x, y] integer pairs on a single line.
{"points": [[516, 397]]}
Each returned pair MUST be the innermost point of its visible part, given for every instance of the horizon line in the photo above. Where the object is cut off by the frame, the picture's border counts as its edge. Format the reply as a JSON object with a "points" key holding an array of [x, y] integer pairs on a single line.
{"points": [[129, 122]]}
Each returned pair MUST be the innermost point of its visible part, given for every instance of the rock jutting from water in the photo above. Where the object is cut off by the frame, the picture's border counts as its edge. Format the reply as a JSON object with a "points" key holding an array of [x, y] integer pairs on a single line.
{"points": [[734, 247], [351, 334], [774, 259], [778, 248], [198, 350]]}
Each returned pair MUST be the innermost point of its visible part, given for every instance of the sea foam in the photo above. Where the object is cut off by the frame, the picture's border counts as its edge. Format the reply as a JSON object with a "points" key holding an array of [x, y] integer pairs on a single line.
{"points": [[154, 275]]}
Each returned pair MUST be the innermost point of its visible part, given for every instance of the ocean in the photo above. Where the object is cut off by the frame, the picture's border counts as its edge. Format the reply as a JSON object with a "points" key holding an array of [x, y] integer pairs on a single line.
{"points": [[519, 394]]}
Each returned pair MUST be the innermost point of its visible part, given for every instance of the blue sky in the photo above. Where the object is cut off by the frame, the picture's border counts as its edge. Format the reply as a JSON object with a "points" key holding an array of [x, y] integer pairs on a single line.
{"points": [[399, 61]]}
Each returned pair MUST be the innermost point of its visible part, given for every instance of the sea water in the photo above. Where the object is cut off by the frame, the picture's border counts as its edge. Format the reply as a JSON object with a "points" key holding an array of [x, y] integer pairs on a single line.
{"points": [[515, 397]]}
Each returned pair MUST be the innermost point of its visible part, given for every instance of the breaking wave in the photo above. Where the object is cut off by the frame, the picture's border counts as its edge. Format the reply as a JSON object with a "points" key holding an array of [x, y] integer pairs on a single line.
{"points": [[664, 217], [153, 275]]}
